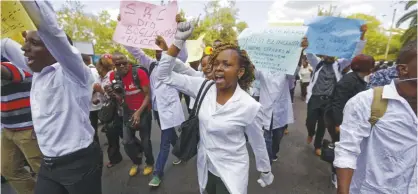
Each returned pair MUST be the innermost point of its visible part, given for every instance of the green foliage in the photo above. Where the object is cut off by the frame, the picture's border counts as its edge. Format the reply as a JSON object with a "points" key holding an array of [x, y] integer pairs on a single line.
{"points": [[81, 26], [377, 38], [219, 23], [411, 32], [331, 11]]}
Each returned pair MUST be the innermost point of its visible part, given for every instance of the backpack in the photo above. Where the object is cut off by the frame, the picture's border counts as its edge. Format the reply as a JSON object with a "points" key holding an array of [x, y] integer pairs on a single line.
{"points": [[135, 77], [379, 106], [378, 109]]}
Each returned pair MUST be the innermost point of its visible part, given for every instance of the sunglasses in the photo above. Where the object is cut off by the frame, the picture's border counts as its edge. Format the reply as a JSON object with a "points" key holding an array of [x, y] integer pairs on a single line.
{"points": [[120, 64]]}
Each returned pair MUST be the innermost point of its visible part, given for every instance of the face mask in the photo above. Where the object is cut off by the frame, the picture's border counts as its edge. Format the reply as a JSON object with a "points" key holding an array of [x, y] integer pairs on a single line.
{"points": [[367, 78], [409, 79]]}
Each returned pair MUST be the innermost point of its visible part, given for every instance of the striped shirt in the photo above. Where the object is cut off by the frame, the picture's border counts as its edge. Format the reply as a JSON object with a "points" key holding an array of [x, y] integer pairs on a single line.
{"points": [[15, 103]]}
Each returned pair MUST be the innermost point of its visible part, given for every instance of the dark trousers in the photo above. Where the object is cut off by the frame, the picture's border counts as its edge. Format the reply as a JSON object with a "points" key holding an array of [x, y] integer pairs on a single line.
{"points": [[277, 135], [77, 173], [303, 89], [315, 119], [133, 146], [114, 134], [215, 185], [94, 120], [330, 125]]}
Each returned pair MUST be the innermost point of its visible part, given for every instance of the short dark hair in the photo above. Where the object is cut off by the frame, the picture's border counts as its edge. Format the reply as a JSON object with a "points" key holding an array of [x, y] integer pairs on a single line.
{"points": [[407, 52], [362, 63], [69, 40]]}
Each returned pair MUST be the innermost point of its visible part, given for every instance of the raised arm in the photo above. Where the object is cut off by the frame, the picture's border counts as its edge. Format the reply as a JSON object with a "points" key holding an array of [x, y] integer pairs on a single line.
{"points": [[186, 84], [181, 68], [13, 52], [55, 39], [139, 54], [354, 129]]}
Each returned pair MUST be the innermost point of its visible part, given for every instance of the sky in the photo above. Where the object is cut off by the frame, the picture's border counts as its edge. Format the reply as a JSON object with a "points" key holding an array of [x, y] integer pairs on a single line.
{"points": [[259, 13]]}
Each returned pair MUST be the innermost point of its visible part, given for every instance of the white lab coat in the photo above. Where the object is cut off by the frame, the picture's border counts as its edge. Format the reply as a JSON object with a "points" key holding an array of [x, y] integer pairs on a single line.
{"points": [[275, 98], [222, 140], [192, 100], [338, 66], [164, 98]]}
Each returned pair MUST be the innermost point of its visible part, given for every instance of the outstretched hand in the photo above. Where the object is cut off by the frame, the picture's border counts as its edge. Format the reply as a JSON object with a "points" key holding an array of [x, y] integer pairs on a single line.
{"points": [[160, 42]]}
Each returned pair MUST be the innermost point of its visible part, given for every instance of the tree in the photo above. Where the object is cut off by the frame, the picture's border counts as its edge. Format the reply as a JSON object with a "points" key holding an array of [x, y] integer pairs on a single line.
{"points": [[99, 29], [411, 32], [328, 12], [377, 38], [219, 23]]}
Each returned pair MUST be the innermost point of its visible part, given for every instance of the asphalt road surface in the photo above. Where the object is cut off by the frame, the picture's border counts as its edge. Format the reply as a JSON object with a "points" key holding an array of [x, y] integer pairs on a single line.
{"points": [[297, 171]]}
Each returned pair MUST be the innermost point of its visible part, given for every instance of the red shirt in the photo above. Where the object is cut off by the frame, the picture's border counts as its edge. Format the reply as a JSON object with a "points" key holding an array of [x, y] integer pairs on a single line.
{"points": [[134, 97]]}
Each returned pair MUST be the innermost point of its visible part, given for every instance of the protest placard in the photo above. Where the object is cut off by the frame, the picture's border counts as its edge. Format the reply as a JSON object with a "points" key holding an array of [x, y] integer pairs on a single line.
{"points": [[141, 22], [333, 36], [14, 19], [195, 49], [273, 50]]}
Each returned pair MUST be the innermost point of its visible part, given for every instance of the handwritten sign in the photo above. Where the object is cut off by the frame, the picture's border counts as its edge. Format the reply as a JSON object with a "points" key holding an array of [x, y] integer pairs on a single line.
{"points": [[141, 22], [333, 36], [273, 50], [14, 19], [195, 49]]}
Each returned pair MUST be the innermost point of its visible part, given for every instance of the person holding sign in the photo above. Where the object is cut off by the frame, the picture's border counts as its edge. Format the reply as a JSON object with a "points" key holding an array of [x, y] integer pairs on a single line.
{"points": [[60, 101], [227, 113], [165, 103], [327, 72]]}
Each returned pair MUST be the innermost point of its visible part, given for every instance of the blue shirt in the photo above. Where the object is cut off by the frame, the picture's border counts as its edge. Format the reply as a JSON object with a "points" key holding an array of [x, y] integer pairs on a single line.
{"points": [[382, 77]]}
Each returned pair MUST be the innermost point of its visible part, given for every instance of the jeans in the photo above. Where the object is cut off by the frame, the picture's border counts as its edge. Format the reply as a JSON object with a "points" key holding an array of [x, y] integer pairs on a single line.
{"points": [[76, 173], [277, 135], [168, 136], [316, 111], [16, 146], [134, 147], [94, 120], [303, 89]]}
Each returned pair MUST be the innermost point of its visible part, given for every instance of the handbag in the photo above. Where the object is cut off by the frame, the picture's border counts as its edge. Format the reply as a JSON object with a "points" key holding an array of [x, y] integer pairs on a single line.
{"points": [[186, 146], [108, 111]]}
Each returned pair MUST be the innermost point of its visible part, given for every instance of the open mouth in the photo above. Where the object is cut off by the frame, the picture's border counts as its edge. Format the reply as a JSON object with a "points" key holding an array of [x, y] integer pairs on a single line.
{"points": [[219, 79], [30, 61]]}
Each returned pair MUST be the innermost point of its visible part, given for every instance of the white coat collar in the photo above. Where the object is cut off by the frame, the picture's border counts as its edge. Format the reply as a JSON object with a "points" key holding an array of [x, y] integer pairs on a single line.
{"points": [[235, 98]]}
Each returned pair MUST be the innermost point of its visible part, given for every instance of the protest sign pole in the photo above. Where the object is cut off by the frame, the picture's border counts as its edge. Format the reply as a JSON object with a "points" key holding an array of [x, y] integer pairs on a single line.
{"points": [[390, 35]]}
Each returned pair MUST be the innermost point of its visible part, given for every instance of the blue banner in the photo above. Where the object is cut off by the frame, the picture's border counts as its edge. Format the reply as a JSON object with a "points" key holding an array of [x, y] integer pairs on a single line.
{"points": [[333, 36]]}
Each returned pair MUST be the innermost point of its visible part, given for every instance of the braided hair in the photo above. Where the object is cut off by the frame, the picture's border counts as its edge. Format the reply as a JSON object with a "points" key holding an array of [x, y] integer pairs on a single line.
{"points": [[244, 62]]}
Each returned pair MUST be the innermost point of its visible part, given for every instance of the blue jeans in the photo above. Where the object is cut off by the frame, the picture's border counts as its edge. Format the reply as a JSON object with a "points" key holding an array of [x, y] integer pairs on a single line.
{"points": [[168, 136]]}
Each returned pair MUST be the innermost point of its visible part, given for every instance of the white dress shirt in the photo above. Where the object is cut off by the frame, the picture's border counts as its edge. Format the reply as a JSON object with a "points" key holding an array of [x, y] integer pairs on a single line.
{"points": [[164, 98], [222, 145], [384, 158], [305, 74], [61, 93]]}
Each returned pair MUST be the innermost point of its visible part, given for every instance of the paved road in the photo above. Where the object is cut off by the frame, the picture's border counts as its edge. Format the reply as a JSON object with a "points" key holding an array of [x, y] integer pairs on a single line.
{"points": [[297, 171]]}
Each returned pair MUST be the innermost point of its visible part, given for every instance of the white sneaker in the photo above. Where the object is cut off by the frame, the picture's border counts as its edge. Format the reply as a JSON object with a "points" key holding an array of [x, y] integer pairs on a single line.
{"points": [[334, 180]]}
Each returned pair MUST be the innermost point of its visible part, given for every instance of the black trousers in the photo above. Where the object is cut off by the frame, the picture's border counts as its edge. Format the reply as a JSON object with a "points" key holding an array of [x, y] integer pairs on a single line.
{"points": [[315, 118], [330, 125], [76, 173], [114, 134], [94, 120], [215, 185]]}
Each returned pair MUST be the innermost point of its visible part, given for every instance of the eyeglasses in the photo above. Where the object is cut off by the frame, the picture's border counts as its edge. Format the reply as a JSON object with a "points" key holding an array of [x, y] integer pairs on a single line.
{"points": [[120, 64]]}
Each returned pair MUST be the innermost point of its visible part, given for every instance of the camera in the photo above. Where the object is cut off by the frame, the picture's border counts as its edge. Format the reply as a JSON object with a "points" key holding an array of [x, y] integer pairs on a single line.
{"points": [[117, 86]]}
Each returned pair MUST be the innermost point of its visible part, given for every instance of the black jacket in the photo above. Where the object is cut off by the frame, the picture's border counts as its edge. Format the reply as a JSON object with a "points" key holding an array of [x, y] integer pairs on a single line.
{"points": [[349, 85]]}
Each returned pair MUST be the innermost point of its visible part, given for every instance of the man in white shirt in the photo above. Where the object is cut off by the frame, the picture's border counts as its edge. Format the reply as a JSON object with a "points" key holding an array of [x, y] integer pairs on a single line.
{"points": [[96, 100], [381, 158], [60, 102]]}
